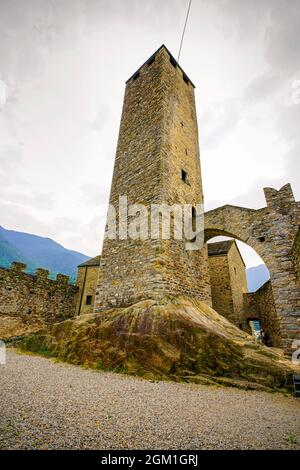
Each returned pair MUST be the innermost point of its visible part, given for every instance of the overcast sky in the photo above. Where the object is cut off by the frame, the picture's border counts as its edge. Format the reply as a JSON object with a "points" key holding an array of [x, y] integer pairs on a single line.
{"points": [[64, 64]]}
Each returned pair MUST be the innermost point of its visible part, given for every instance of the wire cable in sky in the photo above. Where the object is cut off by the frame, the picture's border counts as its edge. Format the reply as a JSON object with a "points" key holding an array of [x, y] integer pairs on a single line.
{"points": [[184, 28]]}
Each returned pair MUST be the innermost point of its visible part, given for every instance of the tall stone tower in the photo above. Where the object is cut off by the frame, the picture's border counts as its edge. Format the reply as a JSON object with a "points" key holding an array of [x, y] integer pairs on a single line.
{"points": [[157, 162]]}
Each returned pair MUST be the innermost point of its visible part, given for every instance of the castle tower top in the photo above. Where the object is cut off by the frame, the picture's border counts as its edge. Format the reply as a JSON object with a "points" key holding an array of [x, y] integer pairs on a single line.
{"points": [[151, 60]]}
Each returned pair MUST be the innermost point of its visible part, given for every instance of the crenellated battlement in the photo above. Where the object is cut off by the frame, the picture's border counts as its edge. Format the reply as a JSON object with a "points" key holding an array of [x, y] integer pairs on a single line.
{"points": [[30, 301], [40, 273], [19, 267], [279, 199]]}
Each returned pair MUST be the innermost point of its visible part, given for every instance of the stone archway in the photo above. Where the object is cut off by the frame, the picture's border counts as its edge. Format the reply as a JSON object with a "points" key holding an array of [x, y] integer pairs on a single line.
{"points": [[271, 232]]}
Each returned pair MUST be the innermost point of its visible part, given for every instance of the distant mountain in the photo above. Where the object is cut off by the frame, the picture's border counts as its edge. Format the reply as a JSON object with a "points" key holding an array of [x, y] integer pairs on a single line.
{"points": [[257, 276], [37, 252], [9, 252]]}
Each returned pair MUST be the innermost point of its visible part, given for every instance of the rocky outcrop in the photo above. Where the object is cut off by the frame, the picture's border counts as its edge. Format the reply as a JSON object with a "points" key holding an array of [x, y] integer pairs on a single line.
{"points": [[174, 338], [11, 327]]}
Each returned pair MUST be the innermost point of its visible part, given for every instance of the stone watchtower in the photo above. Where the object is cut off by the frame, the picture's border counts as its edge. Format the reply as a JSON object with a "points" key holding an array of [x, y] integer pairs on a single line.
{"points": [[157, 162]]}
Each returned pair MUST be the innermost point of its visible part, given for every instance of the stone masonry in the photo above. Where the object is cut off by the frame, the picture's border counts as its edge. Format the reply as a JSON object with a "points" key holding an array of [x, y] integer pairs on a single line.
{"points": [[87, 277], [230, 297], [228, 281], [260, 306], [273, 232], [296, 256], [157, 162], [28, 300], [227, 278]]}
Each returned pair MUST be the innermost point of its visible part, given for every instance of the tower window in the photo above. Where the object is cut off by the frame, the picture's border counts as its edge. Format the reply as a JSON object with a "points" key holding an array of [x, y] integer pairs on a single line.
{"points": [[136, 75], [182, 123], [151, 60], [194, 224], [194, 216], [184, 176], [88, 300], [262, 239], [186, 152], [173, 61]]}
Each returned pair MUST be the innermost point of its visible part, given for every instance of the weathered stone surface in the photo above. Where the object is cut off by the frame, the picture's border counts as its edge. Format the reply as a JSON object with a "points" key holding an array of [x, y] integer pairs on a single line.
{"points": [[260, 305], [158, 139], [177, 338], [272, 232], [87, 276], [28, 302], [296, 256], [13, 326], [228, 281]]}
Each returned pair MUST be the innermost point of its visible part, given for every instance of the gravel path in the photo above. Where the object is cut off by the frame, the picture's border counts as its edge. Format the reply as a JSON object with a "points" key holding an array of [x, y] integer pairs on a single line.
{"points": [[51, 405]]}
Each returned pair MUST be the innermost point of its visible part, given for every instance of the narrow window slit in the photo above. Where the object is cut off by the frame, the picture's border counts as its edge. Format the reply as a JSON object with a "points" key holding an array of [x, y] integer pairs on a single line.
{"points": [[184, 176], [194, 215]]}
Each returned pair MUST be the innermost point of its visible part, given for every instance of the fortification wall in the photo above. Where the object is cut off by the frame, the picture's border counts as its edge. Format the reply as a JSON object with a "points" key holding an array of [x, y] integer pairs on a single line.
{"points": [[87, 277], [28, 302], [260, 305], [296, 256], [221, 292], [238, 283], [271, 231], [228, 284]]}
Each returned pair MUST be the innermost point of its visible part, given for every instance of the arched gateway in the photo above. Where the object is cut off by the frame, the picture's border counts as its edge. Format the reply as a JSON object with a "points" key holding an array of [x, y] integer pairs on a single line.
{"points": [[273, 232]]}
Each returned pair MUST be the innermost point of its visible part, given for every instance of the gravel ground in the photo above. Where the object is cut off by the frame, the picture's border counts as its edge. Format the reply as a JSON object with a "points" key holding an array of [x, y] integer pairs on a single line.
{"points": [[52, 405]]}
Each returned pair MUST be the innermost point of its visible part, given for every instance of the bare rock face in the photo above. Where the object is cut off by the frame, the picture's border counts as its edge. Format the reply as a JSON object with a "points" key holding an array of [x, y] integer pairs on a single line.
{"points": [[12, 327], [177, 339]]}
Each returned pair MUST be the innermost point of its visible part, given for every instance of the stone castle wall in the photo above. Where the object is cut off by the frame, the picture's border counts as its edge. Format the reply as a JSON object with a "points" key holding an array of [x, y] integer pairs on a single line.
{"points": [[296, 256], [238, 282], [260, 305], [221, 292], [87, 277], [228, 283], [271, 232], [28, 302], [158, 139]]}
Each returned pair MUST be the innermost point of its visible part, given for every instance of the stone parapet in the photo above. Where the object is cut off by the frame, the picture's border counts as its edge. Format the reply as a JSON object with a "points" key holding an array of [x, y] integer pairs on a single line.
{"points": [[16, 266], [34, 299]]}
